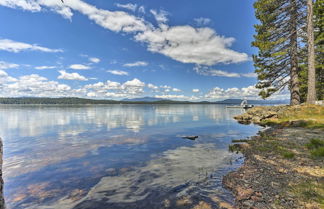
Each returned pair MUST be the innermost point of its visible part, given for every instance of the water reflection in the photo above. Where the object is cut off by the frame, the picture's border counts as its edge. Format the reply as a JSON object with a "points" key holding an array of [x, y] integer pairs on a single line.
{"points": [[34, 121], [113, 154]]}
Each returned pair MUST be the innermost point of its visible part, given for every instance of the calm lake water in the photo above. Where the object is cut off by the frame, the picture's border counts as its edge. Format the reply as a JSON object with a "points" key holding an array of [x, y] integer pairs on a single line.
{"points": [[118, 156]]}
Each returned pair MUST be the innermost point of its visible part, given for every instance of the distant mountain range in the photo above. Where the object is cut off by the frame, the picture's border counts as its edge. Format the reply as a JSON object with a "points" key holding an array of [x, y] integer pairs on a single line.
{"points": [[143, 100], [238, 101]]}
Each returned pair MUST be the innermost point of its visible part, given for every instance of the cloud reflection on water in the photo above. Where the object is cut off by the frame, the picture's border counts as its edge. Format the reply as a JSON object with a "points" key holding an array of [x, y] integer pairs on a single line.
{"points": [[40, 137], [182, 166]]}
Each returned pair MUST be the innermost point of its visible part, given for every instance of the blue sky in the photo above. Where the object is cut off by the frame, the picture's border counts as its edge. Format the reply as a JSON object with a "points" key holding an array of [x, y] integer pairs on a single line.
{"points": [[184, 49]]}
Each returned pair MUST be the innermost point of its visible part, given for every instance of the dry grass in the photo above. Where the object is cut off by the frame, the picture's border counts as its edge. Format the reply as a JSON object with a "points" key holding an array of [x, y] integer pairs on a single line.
{"points": [[308, 116]]}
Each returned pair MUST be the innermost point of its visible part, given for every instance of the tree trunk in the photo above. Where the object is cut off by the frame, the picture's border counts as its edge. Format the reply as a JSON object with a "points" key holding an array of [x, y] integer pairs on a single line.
{"points": [[294, 82], [311, 89]]}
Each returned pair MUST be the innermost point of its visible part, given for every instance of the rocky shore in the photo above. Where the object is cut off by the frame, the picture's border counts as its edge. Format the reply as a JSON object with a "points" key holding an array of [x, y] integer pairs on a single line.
{"points": [[284, 165]]}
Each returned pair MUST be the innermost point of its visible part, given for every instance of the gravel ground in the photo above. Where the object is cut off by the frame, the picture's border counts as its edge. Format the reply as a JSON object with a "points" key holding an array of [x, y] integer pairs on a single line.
{"points": [[279, 171]]}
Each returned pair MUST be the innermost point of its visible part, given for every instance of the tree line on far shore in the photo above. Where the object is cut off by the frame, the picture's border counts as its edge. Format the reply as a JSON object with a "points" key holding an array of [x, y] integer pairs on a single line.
{"points": [[290, 41]]}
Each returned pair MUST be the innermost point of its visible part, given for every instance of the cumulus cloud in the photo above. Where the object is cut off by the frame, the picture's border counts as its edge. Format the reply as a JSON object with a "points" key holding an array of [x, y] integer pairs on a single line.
{"points": [[71, 76], [22, 4], [94, 59], [202, 21], [195, 90], [247, 92], [128, 6], [185, 44], [176, 90], [3, 74], [113, 20], [160, 17], [134, 86], [250, 92], [34, 85], [45, 67], [15, 46], [7, 65], [130, 88], [4, 79], [117, 72], [153, 87], [136, 64], [79, 67], [204, 70]]}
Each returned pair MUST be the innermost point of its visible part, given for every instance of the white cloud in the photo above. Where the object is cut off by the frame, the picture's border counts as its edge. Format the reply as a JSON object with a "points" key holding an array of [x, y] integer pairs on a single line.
{"points": [[22, 4], [176, 90], [195, 90], [14, 46], [5, 78], [250, 75], [7, 65], [136, 64], [94, 59], [134, 86], [202, 21], [128, 6], [45, 67], [191, 45], [3, 73], [128, 89], [185, 44], [112, 20], [160, 17], [79, 67], [71, 76], [204, 70], [141, 9], [218, 93], [165, 87], [151, 86], [117, 72], [35, 85]]}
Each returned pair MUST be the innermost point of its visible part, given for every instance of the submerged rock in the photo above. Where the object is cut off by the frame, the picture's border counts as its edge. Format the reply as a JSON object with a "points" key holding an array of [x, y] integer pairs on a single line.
{"points": [[190, 137]]}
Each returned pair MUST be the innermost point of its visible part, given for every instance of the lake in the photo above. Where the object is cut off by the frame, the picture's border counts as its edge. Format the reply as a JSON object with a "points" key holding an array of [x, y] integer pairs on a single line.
{"points": [[118, 156]]}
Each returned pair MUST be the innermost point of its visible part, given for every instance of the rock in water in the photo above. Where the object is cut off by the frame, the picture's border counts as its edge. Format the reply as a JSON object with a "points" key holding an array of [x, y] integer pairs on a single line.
{"points": [[190, 137]]}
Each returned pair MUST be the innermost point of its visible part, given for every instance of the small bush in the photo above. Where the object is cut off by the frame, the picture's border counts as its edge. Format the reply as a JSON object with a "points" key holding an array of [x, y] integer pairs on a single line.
{"points": [[315, 143], [319, 152], [317, 147], [288, 154], [234, 148]]}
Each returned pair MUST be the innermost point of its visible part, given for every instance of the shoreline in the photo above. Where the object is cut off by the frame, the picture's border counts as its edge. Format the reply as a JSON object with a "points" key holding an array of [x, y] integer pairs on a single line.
{"points": [[279, 171]]}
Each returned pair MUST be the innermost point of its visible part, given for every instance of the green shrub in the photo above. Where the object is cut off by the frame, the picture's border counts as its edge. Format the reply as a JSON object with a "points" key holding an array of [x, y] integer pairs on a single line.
{"points": [[317, 147], [318, 152], [287, 154]]}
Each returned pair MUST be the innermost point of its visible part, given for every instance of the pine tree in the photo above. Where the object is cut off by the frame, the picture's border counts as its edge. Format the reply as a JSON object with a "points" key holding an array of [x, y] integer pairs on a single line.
{"points": [[277, 40], [311, 89], [319, 55], [319, 47]]}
